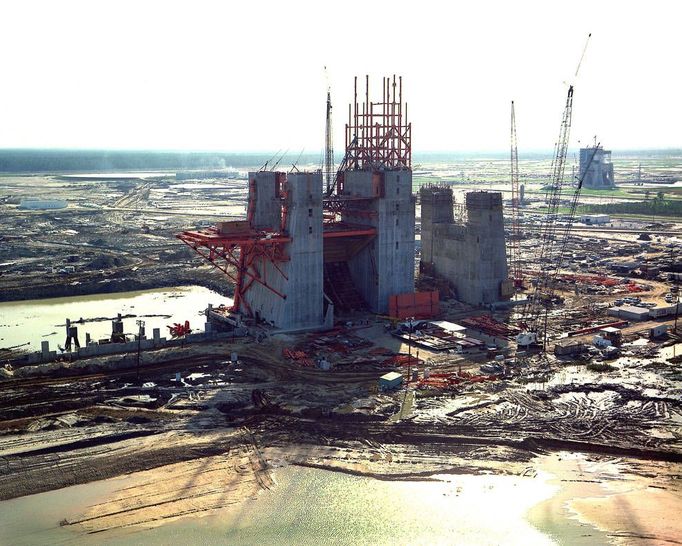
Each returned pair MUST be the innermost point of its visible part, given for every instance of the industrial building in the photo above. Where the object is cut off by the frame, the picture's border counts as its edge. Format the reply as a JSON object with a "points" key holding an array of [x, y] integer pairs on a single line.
{"points": [[629, 312], [467, 249], [598, 173], [301, 253], [43, 204], [595, 219]]}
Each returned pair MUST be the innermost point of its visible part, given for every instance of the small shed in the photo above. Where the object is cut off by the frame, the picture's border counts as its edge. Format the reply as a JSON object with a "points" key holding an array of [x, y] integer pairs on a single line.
{"points": [[390, 381], [595, 219], [659, 330], [450, 327], [614, 335], [569, 347]]}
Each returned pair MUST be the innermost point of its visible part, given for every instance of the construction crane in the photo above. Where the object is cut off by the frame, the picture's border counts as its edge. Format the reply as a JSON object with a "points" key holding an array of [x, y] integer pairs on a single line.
{"points": [[542, 294], [550, 254], [342, 167], [515, 239], [329, 144], [553, 244]]}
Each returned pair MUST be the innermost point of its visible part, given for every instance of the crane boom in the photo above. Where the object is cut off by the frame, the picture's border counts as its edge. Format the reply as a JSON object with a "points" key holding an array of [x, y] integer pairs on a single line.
{"points": [[515, 246], [543, 291], [329, 146], [550, 254]]}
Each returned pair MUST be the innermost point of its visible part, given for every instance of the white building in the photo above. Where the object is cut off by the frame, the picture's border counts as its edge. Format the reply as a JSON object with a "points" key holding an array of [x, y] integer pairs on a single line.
{"points": [[595, 219], [42, 204]]}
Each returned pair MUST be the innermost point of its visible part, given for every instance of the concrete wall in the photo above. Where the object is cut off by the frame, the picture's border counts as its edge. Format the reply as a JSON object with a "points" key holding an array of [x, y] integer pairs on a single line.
{"points": [[436, 208], [472, 255], [385, 267], [266, 201], [301, 278], [105, 349]]}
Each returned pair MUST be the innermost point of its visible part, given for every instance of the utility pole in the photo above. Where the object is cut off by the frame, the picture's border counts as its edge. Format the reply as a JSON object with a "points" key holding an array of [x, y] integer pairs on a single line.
{"points": [[409, 362], [140, 331], [677, 311], [409, 348], [677, 292]]}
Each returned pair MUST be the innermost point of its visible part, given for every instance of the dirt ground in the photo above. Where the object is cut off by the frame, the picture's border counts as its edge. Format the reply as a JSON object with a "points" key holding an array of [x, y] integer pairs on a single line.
{"points": [[209, 441], [612, 440]]}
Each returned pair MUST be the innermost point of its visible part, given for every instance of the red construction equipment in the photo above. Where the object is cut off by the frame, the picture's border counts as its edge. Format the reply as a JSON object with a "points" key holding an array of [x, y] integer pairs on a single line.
{"points": [[179, 330], [403, 360], [488, 325], [299, 357], [450, 380], [601, 280], [592, 329], [377, 133]]}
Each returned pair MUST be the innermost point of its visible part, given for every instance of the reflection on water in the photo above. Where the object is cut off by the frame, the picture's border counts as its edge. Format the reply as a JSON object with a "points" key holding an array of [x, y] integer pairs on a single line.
{"points": [[311, 506], [31, 520], [33, 321]]}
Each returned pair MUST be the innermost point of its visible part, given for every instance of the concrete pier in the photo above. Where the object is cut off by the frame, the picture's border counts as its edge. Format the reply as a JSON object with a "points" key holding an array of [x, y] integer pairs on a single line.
{"points": [[386, 265], [469, 252], [293, 299]]}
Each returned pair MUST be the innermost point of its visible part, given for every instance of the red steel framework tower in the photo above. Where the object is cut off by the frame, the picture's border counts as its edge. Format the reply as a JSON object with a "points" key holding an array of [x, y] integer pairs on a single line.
{"points": [[378, 134], [238, 248], [377, 137]]}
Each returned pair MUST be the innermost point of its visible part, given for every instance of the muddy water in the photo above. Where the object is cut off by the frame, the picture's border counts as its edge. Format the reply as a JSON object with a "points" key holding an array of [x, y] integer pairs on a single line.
{"points": [[33, 321], [311, 506], [35, 519]]}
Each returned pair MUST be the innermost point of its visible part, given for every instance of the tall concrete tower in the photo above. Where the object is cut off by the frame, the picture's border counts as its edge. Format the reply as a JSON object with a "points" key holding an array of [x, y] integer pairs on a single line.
{"points": [[599, 174], [375, 190], [298, 278], [264, 199], [469, 253], [436, 209], [385, 266]]}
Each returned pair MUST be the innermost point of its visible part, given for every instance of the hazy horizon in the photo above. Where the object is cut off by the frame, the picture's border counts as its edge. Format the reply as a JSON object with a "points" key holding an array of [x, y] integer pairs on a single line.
{"points": [[32, 161], [245, 77]]}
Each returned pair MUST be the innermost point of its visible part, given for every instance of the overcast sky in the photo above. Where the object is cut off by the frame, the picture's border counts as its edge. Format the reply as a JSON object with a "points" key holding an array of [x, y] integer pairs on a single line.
{"points": [[248, 75]]}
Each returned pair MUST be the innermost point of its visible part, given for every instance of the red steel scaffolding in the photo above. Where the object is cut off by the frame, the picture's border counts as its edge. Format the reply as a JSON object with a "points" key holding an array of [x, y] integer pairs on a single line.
{"points": [[378, 136]]}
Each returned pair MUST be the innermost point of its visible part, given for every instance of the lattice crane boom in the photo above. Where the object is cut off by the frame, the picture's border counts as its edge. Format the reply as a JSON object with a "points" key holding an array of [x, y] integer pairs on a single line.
{"points": [[552, 249], [543, 291], [515, 246], [329, 173]]}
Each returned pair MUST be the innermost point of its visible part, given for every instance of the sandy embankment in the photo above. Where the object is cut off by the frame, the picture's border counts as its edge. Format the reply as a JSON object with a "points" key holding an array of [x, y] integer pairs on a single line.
{"points": [[192, 488], [605, 500]]}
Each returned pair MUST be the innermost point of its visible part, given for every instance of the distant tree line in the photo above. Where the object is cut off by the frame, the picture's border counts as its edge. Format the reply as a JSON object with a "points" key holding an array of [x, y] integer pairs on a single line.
{"points": [[659, 205], [54, 161]]}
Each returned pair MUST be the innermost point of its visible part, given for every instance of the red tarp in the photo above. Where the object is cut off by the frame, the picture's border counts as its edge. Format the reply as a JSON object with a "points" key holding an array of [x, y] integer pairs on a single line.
{"points": [[421, 305]]}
